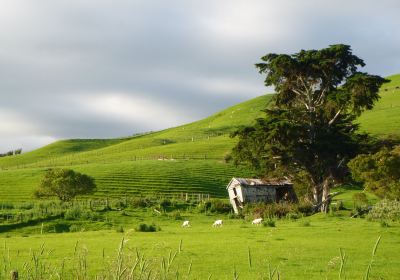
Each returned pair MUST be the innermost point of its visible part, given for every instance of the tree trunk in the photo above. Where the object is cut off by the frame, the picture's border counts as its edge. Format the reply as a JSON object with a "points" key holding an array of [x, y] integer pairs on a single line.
{"points": [[326, 200], [317, 194], [321, 196]]}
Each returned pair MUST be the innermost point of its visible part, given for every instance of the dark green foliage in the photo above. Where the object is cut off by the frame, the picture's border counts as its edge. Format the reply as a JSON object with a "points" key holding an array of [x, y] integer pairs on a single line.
{"points": [[176, 215], [64, 184], [139, 202], [309, 129], [360, 199], [305, 223], [120, 229], [74, 228], [215, 206], [269, 223], [164, 203], [380, 172], [61, 227], [147, 228], [277, 210], [77, 213]]}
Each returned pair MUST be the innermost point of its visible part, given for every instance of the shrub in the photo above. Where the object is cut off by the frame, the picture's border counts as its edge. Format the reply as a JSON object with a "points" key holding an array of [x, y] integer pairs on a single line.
{"points": [[228, 158], [120, 229], [77, 213], [384, 224], [147, 228], [74, 228], [269, 223], [385, 210], [293, 216], [140, 202], [360, 199], [305, 223], [176, 215], [61, 227], [277, 210], [6, 205], [26, 206], [120, 204], [305, 207], [215, 206], [164, 203], [73, 213]]}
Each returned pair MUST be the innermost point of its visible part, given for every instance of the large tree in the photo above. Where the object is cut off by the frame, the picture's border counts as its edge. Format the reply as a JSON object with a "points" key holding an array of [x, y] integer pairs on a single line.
{"points": [[309, 127], [65, 184]]}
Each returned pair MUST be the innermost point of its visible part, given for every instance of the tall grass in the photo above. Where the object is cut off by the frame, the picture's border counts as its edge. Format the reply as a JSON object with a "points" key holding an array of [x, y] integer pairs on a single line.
{"points": [[130, 264]]}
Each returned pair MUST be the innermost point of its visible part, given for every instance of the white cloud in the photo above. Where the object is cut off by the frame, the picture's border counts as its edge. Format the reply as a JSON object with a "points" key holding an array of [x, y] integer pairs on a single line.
{"points": [[129, 109], [103, 68]]}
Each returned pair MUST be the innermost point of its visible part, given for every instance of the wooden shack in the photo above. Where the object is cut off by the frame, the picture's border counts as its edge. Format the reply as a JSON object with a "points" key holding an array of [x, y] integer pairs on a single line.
{"points": [[244, 190]]}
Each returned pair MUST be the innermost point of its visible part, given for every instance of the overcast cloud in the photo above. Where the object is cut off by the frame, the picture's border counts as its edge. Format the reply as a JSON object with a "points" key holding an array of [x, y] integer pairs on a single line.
{"points": [[86, 69]]}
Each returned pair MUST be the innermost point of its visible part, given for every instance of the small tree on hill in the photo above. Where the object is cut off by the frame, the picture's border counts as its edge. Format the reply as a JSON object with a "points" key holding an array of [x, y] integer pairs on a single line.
{"points": [[310, 129], [65, 184]]}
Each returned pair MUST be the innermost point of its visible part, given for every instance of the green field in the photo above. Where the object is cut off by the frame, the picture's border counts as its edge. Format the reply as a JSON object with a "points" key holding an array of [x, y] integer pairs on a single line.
{"points": [[299, 249], [384, 119]]}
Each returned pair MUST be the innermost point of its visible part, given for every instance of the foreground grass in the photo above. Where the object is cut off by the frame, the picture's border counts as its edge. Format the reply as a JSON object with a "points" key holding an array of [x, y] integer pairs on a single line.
{"points": [[300, 250]]}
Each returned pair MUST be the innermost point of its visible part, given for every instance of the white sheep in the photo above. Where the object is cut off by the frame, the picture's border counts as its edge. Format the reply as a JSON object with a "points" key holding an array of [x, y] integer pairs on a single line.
{"points": [[186, 224], [257, 221], [218, 223]]}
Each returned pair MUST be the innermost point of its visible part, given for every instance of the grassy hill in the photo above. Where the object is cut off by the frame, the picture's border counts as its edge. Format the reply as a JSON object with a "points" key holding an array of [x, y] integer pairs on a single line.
{"points": [[384, 119], [188, 158]]}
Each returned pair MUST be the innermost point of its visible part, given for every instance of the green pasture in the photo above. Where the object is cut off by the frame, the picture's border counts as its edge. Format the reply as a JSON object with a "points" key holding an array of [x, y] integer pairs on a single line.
{"points": [[205, 138], [140, 177], [384, 118], [297, 249]]}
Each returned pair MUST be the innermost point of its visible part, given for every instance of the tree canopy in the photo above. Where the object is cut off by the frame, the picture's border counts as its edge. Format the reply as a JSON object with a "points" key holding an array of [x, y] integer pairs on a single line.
{"points": [[380, 172], [65, 184], [309, 127]]}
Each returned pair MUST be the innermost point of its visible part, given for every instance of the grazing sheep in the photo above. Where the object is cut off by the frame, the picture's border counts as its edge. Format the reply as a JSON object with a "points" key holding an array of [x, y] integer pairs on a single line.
{"points": [[217, 223], [186, 224], [257, 221]]}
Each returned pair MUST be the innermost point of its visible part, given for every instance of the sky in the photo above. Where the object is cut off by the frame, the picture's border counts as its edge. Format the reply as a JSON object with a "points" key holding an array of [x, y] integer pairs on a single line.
{"points": [[103, 69]]}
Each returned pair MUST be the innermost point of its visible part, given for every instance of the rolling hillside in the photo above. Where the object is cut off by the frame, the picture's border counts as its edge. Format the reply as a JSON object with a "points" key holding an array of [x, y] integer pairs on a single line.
{"points": [[384, 119], [187, 158]]}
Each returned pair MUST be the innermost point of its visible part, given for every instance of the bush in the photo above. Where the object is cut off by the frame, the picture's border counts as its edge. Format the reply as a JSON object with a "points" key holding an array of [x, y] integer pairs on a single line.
{"points": [[73, 213], [26, 206], [147, 228], [120, 229], [140, 202], [77, 213], [305, 223], [385, 210], [176, 215], [61, 227], [269, 223], [74, 228], [164, 203], [215, 206], [277, 210], [293, 216], [360, 199], [384, 224], [6, 205]]}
